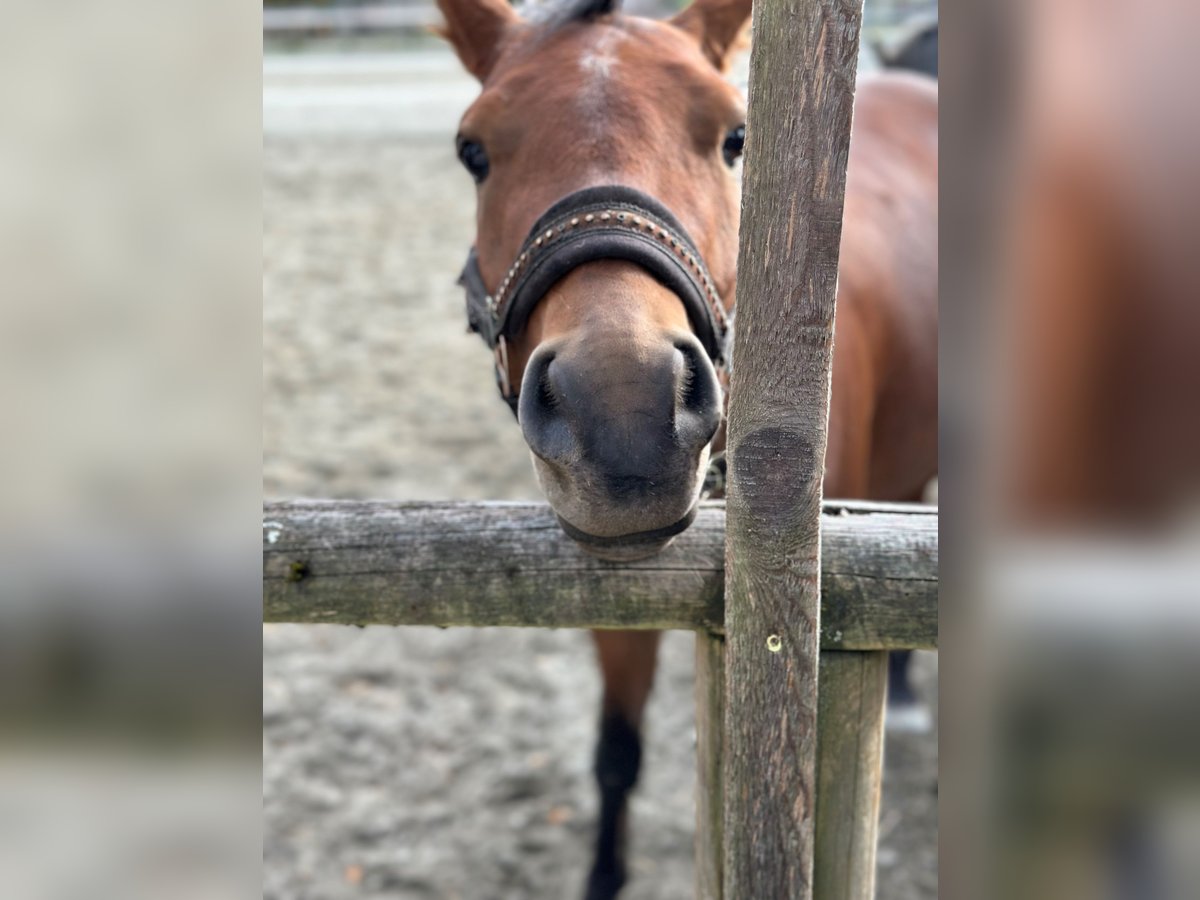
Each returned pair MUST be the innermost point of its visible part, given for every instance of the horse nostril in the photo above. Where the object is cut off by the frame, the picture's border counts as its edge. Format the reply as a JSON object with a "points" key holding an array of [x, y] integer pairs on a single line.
{"points": [[691, 385], [540, 414], [698, 408], [546, 398]]}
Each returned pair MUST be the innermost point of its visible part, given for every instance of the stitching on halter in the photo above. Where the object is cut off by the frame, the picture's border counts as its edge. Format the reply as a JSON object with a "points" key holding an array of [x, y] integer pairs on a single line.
{"points": [[618, 216]]}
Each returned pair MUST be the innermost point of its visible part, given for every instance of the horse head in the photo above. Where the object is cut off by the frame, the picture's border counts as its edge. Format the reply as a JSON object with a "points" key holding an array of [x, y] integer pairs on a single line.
{"points": [[618, 138]]}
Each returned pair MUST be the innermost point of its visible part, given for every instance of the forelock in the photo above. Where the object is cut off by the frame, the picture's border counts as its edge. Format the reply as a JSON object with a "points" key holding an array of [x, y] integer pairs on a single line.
{"points": [[557, 13]]}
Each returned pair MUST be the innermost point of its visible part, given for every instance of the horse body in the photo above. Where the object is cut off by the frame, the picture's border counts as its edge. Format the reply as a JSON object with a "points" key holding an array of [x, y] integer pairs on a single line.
{"points": [[619, 403], [883, 402]]}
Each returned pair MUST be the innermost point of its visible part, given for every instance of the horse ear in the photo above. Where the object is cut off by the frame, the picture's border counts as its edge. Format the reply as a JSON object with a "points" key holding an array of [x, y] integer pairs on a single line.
{"points": [[716, 24], [475, 29]]}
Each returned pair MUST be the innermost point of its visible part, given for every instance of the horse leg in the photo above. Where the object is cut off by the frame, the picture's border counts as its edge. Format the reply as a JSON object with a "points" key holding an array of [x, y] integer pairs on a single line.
{"points": [[905, 711], [627, 660], [900, 692]]}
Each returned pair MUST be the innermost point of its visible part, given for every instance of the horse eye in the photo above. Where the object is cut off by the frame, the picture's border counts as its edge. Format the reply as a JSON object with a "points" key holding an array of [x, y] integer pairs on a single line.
{"points": [[474, 157], [735, 142]]}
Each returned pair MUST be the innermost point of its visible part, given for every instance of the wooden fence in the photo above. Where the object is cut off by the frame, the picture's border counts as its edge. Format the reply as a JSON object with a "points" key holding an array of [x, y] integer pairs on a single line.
{"points": [[812, 593], [510, 564]]}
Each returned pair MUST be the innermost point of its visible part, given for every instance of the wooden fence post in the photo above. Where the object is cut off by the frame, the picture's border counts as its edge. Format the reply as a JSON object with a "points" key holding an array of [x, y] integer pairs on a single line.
{"points": [[802, 75], [849, 773], [710, 762]]}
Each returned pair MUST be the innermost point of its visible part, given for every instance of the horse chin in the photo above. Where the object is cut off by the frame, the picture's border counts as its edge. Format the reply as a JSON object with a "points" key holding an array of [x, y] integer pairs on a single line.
{"points": [[629, 547], [620, 528]]}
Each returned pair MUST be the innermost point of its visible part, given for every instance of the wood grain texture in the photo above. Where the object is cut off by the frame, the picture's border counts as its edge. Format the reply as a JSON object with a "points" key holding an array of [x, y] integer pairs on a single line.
{"points": [[802, 74], [850, 728], [388, 563], [710, 787]]}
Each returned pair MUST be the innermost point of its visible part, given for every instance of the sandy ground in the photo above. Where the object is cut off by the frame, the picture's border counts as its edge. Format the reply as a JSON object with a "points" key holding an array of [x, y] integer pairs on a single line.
{"points": [[417, 763]]}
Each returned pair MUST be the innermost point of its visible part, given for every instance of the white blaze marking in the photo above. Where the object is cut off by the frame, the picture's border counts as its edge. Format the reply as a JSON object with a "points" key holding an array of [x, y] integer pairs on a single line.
{"points": [[598, 64]]}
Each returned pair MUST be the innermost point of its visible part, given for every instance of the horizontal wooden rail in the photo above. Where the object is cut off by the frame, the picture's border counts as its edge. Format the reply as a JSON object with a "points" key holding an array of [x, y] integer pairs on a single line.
{"points": [[413, 16], [384, 563]]}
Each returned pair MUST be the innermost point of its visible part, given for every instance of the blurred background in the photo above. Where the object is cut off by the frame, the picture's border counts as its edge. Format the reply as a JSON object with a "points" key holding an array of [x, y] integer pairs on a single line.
{"points": [[1070, 414], [417, 763], [129, 450]]}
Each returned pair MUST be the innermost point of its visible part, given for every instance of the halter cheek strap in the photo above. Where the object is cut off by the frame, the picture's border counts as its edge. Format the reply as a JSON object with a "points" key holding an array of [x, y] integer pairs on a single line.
{"points": [[608, 222]]}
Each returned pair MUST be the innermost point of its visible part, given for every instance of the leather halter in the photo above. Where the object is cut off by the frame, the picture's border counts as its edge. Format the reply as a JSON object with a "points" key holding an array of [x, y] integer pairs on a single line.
{"points": [[607, 222]]}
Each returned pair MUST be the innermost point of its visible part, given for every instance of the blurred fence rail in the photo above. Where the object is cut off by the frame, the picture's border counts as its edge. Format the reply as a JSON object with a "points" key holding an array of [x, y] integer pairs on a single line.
{"points": [[510, 564], [409, 15], [420, 15]]}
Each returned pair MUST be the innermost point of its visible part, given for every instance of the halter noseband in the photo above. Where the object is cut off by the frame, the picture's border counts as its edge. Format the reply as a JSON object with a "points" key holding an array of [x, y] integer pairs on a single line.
{"points": [[608, 222]]}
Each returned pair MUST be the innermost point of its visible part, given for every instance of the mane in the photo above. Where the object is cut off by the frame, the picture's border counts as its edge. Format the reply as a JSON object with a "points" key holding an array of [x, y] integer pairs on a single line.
{"points": [[557, 13]]}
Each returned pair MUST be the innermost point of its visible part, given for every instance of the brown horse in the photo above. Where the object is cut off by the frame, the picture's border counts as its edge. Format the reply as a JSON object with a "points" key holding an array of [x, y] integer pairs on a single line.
{"points": [[609, 317]]}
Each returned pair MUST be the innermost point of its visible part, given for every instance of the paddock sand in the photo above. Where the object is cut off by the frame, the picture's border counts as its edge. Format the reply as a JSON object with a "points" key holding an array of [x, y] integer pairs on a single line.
{"points": [[418, 763]]}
